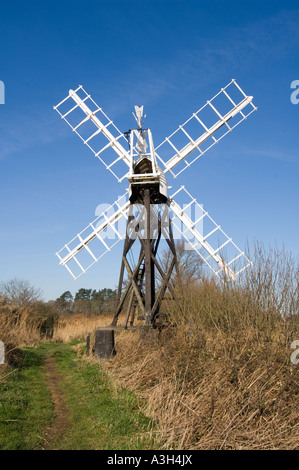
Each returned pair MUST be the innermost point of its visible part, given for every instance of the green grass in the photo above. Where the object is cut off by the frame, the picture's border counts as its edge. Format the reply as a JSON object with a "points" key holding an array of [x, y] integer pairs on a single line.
{"points": [[25, 405], [101, 415]]}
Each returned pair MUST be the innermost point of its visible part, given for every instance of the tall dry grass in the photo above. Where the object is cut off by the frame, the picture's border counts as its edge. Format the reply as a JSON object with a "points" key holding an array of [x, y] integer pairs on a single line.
{"points": [[222, 377], [77, 327], [18, 328]]}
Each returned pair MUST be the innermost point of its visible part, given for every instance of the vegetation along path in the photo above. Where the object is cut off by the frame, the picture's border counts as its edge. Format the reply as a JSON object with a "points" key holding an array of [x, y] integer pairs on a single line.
{"points": [[56, 399]]}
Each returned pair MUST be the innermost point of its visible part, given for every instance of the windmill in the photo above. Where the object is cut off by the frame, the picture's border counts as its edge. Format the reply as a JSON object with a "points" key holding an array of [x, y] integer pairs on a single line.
{"points": [[149, 212]]}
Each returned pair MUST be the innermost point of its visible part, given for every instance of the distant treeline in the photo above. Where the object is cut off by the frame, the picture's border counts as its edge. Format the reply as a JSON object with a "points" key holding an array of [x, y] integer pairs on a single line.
{"points": [[24, 316], [87, 301]]}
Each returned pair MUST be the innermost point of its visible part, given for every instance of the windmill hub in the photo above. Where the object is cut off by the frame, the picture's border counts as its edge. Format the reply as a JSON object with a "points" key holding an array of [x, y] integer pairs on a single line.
{"points": [[144, 170], [143, 178], [141, 294]]}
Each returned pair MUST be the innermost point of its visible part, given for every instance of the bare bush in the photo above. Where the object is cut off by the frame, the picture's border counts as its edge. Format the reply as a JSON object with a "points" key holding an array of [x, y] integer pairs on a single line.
{"points": [[19, 292]]}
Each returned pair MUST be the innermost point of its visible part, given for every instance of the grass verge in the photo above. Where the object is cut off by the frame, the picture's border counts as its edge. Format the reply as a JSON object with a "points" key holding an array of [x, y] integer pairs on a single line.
{"points": [[25, 404], [101, 414]]}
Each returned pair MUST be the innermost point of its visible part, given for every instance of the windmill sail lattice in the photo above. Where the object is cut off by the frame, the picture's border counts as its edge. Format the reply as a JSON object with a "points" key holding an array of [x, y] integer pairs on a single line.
{"points": [[211, 243], [95, 240], [145, 170], [94, 128], [219, 116]]}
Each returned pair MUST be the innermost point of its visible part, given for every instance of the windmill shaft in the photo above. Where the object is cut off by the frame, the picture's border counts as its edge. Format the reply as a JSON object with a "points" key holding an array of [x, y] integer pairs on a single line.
{"points": [[149, 265]]}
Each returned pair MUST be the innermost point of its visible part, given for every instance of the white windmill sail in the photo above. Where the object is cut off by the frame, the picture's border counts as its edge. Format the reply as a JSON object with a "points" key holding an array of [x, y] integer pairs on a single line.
{"points": [[205, 128], [203, 235], [211, 123], [94, 127], [99, 237]]}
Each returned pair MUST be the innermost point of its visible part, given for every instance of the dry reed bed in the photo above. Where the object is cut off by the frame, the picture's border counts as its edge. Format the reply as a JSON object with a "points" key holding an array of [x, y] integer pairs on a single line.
{"points": [[77, 327], [221, 377], [216, 392], [18, 328]]}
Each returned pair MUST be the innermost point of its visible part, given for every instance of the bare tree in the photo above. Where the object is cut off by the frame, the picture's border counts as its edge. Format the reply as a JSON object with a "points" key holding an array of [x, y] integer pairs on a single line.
{"points": [[189, 262], [19, 292]]}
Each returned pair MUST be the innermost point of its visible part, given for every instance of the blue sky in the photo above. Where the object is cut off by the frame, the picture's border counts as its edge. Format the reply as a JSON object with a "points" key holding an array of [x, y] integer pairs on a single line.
{"points": [[170, 56]]}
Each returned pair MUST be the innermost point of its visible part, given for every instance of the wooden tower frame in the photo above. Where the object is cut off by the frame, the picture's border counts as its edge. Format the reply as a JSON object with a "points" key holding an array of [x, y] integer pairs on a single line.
{"points": [[140, 290]]}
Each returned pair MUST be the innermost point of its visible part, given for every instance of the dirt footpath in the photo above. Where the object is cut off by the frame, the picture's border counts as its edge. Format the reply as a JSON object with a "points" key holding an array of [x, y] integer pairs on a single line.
{"points": [[55, 433]]}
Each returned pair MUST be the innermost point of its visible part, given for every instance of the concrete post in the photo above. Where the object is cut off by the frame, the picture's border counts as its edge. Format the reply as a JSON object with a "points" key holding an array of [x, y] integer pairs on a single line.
{"points": [[104, 344]]}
